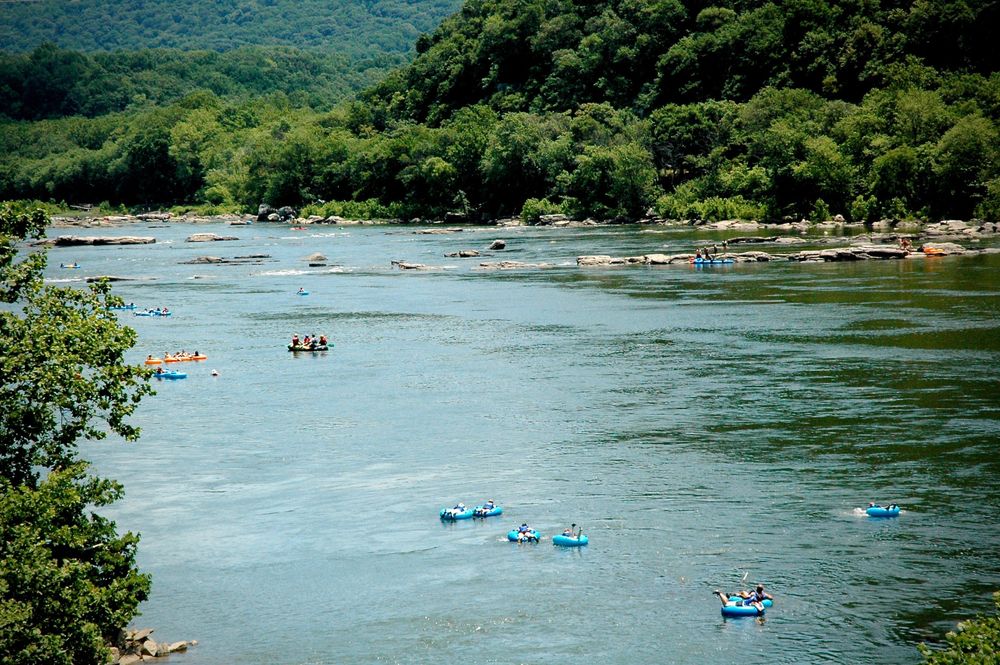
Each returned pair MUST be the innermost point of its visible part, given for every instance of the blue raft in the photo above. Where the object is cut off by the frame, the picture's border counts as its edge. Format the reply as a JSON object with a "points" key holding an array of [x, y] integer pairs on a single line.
{"points": [[121, 308], [712, 262], [532, 536], [570, 541], [739, 610], [883, 511], [173, 374], [480, 511], [450, 514], [736, 599]]}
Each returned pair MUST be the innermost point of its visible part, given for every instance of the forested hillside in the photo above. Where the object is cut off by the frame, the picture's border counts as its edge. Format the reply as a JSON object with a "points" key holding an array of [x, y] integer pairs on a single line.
{"points": [[602, 108], [52, 83], [354, 28]]}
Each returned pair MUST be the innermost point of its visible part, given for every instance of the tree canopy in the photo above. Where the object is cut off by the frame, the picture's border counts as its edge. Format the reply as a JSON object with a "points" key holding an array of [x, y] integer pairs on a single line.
{"points": [[973, 642], [68, 581], [352, 28]]}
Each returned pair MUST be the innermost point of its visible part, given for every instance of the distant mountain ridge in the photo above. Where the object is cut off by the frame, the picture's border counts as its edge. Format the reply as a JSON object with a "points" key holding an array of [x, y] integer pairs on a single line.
{"points": [[348, 27]]}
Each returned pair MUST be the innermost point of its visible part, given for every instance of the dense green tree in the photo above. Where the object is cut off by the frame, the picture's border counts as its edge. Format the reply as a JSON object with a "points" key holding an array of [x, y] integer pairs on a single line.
{"points": [[68, 581], [973, 642]]}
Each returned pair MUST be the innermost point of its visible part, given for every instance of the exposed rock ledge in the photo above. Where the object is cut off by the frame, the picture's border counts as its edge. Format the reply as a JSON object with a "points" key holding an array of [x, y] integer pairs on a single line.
{"points": [[405, 265], [209, 237], [73, 241], [664, 259], [860, 253], [511, 265], [251, 258]]}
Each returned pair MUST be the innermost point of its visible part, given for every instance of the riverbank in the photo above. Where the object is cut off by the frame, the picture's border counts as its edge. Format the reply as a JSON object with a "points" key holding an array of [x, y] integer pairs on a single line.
{"points": [[899, 228]]}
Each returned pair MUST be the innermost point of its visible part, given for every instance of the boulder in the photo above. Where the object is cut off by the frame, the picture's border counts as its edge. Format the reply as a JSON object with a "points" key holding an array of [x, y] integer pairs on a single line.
{"points": [[656, 259], [435, 232], [315, 257], [547, 220], [204, 259], [273, 217], [404, 265], [150, 648], [463, 254], [209, 237], [750, 257], [598, 260], [130, 659], [177, 646], [139, 635], [498, 244]]}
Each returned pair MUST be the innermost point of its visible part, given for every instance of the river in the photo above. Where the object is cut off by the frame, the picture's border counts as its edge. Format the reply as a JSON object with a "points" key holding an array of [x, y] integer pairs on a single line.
{"points": [[702, 425]]}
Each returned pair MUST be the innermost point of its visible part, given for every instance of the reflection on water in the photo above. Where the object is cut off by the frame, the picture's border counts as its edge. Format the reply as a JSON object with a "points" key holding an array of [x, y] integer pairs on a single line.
{"points": [[700, 425]]}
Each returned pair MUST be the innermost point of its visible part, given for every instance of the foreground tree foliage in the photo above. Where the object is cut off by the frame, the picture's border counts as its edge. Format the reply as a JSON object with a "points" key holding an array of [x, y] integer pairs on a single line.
{"points": [[974, 642], [68, 581]]}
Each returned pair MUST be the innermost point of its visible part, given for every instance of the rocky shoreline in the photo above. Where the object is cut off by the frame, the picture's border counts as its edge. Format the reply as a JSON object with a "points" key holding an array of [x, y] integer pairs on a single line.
{"points": [[287, 215], [884, 240], [137, 646]]}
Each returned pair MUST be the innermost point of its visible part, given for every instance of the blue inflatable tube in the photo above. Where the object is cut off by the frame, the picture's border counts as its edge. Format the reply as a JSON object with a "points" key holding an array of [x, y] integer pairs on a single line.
{"points": [[450, 515], [736, 599], [570, 541], [479, 511], [880, 511], [532, 536], [741, 611]]}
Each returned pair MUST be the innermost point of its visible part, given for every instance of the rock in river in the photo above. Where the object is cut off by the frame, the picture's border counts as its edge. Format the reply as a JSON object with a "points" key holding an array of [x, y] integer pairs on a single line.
{"points": [[71, 241], [209, 237]]}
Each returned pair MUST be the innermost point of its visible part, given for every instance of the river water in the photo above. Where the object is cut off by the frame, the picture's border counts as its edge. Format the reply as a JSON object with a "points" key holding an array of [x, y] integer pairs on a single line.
{"points": [[702, 425]]}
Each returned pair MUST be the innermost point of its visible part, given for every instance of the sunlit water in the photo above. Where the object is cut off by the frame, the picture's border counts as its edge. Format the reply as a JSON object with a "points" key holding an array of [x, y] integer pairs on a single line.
{"points": [[700, 424]]}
